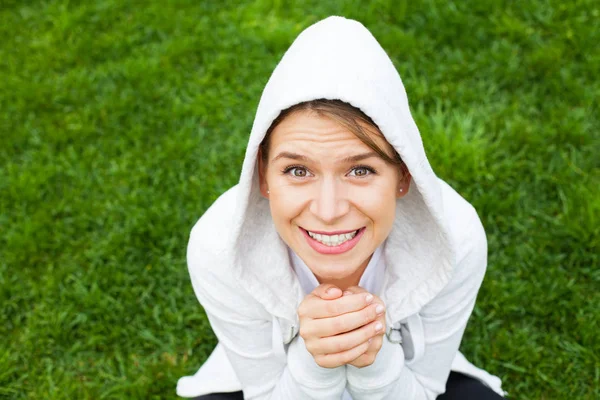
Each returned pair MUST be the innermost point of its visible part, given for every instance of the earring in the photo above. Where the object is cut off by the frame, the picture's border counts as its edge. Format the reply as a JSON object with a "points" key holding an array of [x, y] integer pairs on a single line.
{"points": [[268, 191], [400, 190]]}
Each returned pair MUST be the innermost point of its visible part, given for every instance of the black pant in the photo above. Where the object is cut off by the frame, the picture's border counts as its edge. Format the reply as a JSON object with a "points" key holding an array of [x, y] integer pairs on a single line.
{"points": [[458, 387]]}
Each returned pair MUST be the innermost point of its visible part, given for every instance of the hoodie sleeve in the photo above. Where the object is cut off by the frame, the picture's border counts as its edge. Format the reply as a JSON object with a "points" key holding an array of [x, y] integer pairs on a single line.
{"points": [[244, 330], [444, 321]]}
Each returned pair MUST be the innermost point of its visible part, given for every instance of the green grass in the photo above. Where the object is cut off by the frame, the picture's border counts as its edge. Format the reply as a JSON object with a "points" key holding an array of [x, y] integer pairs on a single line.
{"points": [[120, 123]]}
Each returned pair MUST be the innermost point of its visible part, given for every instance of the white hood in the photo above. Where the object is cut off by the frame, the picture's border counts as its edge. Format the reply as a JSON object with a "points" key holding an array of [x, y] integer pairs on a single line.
{"points": [[338, 58]]}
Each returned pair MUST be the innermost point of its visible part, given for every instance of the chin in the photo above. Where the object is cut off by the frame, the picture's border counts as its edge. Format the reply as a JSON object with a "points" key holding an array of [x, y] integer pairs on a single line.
{"points": [[331, 269], [332, 266]]}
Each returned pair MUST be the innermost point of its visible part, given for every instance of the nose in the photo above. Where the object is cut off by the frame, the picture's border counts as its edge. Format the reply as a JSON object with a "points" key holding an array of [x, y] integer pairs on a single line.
{"points": [[330, 202]]}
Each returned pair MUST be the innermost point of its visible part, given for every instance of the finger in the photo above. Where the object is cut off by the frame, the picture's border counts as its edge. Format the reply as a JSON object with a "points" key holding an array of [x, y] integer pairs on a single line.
{"points": [[327, 291], [325, 327], [348, 340], [368, 357], [338, 359], [314, 306], [358, 290], [355, 290], [361, 361], [314, 309], [339, 306]]}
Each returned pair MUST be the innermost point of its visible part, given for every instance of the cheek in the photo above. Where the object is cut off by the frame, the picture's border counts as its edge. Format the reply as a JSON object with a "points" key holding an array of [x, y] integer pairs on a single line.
{"points": [[286, 203], [378, 203]]}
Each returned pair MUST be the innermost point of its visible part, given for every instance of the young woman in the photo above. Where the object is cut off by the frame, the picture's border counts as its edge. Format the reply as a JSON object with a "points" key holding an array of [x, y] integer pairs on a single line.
{"points": [[340, 266]]}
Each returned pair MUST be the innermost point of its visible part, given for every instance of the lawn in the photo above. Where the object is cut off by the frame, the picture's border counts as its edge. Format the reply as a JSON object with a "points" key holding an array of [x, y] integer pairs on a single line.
{"points": [[120, 123]]}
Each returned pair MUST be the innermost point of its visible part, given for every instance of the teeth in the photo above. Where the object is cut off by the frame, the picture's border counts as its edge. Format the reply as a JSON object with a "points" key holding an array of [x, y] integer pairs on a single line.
{"points": [[332, 240]]}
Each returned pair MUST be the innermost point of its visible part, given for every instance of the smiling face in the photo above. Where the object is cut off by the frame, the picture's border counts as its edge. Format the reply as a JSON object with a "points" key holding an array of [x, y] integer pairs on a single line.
{"points": [[332, 198]]}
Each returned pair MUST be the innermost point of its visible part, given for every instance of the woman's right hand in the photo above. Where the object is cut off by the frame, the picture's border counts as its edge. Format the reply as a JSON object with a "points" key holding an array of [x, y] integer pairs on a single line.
{"points": [[337, 329]]}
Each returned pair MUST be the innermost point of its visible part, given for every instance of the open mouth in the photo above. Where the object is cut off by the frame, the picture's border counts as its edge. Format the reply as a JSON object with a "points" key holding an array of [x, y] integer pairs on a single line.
{"points": [[333, 242]]}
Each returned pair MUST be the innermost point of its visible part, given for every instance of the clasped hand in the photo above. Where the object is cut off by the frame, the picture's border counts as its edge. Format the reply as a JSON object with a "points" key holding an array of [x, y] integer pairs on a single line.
{"points": [[342, 328]]}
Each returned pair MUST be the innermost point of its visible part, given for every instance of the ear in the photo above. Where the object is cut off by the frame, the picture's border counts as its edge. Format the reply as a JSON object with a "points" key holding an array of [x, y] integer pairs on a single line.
{"points": [[262, 176], [404, 179]]}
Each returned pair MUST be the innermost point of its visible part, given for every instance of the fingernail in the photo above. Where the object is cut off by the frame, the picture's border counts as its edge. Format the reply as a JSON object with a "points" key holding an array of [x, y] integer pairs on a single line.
{"points": [[369, 298], [332, 290], [370, 340], [378, 327], [347, 293], [379, 309]]}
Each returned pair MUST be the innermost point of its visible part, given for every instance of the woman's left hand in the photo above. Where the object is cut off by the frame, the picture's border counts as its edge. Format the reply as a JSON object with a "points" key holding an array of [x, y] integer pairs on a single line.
{"points": [[368, 357]]}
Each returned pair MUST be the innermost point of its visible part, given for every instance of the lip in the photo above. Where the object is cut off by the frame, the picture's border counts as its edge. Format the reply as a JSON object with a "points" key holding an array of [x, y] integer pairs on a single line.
{"points": [[331, 233], [342, 248]]}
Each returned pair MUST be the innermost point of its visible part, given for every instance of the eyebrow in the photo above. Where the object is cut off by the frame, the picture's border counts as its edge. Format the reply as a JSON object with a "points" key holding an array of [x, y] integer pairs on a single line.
{"points": [[300, 157]]}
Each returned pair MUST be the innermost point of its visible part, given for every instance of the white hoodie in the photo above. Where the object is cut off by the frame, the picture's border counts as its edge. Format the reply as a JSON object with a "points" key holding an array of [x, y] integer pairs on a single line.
{"points": [[436, 254]]}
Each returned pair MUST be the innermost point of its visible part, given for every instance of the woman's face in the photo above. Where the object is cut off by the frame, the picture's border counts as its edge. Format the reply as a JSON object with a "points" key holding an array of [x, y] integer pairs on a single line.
{"points": [[332, 198]]}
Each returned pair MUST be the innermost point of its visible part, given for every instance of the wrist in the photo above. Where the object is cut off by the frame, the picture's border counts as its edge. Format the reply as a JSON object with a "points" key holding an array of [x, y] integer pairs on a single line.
{"points": [[305, 369], [385, 369]]}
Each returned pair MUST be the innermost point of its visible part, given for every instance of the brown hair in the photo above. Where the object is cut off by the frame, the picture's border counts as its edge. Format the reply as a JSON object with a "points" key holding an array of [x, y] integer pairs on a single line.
{"points": [[346, 115]]}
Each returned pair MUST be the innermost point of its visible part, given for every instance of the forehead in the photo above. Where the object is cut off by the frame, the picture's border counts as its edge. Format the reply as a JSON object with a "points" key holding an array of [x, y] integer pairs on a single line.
{"points": [[312, 132]]}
